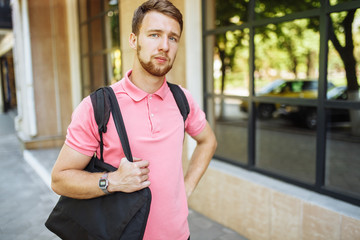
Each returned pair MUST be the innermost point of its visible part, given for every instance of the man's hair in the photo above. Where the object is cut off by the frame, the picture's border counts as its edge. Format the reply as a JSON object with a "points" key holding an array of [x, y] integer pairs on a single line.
{"points": [[162, 6]]}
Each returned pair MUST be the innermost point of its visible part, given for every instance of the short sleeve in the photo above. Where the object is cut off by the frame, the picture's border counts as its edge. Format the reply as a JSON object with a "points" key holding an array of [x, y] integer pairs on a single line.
{"points": [[196, 120], [82, 134]]}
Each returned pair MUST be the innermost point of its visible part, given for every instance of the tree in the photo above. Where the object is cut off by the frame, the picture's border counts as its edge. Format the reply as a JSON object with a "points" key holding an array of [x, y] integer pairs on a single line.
{"points": [[346, 51]]}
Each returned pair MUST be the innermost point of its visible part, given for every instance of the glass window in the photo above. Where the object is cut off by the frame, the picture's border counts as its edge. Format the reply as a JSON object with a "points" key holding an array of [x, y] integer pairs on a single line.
{"points": [[262, 79], [114, 69], [279, 8], [95, 7], [344, 55], [284, 144], [230, 129], [96, 35], [86, 82], [83, 10], [334, 2], [84, 39], [231, 63], [342, 151], [111, 4], [100, 43], [222, 13], [285, 53]]}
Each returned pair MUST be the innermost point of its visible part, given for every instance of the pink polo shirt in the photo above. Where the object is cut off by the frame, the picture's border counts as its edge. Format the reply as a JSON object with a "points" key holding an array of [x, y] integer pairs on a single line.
{"points": [[155, 130]]}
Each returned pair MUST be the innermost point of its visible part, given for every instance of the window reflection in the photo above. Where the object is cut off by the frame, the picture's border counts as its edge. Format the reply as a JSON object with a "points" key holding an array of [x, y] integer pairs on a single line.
{"points": [[285, 148], [100, 43], [110, 4], [279, 8], [226, 12], [344, 55], [85, 69], [286, 51], [230, 63], [83, 10], [334, 2], [283, 100], [230, 126], [342, 152], [95, 7], [84, 35]]}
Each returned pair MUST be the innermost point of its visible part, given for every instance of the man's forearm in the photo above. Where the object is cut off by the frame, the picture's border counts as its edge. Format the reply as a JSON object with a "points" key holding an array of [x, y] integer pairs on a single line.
{"points": [[201, 157], [67, 184]]}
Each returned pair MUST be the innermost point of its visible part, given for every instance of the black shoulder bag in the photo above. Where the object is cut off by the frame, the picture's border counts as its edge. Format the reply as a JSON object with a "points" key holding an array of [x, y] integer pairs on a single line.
{"points": [[114, 216]]}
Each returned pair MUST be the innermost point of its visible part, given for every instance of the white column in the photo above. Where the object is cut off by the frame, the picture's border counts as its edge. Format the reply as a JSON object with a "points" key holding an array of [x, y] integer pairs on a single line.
{"points": [[26, 119], [74, 51], [193, 43]]}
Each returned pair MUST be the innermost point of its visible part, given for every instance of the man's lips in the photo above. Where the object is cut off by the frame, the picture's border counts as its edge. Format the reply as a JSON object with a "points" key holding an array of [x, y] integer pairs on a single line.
{"points": [[161, 59]]}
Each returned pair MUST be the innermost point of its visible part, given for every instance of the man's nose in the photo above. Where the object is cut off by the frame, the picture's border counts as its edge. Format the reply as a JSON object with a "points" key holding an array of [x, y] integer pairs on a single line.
{"points": [[164, 44]]}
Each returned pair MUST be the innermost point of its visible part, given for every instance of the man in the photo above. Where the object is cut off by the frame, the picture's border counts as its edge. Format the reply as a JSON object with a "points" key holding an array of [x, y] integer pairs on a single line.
{"points": [[154, 126]]}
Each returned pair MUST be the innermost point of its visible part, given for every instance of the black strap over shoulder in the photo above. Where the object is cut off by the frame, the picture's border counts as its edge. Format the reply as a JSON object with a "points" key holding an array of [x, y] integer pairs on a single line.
{"points": [[119, 122], [104, 101], [180, 99], [101, 108]]}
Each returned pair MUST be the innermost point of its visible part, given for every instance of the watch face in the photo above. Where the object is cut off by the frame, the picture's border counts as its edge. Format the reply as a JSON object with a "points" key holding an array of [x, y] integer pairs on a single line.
{"points": [[102, 183]]}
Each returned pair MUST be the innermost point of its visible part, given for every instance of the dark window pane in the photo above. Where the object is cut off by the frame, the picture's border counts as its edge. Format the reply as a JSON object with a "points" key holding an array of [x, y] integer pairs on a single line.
{"points": [[84, 45], [334, 2], [83, 10], [222, 13], [111, 20], [100, 43], [287, 51], [98, 72], [284, 145], [86, 82], [95, 7], [114, 68], [342, 151], [230, 126], [344, 55], [110, 4], [229, 54], [97, 43], [279, 8]]}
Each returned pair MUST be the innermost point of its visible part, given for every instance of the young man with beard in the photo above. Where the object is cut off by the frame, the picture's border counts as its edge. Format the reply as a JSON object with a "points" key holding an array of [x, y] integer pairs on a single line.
{"points": [[154, 126]]}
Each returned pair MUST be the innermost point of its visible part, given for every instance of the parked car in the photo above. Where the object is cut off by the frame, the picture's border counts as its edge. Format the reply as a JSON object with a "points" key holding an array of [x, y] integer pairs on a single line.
{"points": [[283, 88], [307, 116]]}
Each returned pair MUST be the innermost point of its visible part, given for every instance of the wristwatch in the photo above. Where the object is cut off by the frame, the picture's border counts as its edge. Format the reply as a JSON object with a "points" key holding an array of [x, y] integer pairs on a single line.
{"points": [[104, 183]]}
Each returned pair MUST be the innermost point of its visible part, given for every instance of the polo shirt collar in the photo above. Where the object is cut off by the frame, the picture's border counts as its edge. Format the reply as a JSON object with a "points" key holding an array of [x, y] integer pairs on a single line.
{"points": [[138, 94]]}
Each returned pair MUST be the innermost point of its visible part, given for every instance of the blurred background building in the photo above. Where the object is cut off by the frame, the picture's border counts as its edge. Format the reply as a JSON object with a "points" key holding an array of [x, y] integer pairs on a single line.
{"points": [[279, 81]]}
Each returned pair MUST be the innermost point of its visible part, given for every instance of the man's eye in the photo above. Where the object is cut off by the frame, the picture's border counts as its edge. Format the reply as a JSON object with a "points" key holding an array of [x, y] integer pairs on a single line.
{"points": [[174, 39], [154, 35]]}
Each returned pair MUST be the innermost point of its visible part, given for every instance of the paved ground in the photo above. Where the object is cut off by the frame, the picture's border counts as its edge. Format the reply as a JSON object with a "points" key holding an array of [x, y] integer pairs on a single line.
{"points": [[26, 200]]}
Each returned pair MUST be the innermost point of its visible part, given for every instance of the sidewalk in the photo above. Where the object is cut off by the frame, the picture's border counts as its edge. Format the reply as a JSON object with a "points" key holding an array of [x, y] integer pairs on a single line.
{"points": [[26, 197]]}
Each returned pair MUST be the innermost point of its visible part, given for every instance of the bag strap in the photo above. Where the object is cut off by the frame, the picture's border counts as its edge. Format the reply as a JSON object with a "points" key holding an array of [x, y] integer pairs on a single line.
{"points": [[119, 122], [180, 99], [102, 114]]}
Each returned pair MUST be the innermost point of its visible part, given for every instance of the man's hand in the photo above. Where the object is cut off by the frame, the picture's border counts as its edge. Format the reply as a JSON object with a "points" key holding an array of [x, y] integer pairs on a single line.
{"points": [[130, 176], [70, 179]]}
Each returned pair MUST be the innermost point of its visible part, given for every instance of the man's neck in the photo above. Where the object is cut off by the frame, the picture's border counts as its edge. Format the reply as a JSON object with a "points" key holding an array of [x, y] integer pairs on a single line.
{"points": [[146, 81]]}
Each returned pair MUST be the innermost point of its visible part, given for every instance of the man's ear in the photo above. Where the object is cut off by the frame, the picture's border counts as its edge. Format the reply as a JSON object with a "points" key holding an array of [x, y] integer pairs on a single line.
{"points": [[133, 41]]}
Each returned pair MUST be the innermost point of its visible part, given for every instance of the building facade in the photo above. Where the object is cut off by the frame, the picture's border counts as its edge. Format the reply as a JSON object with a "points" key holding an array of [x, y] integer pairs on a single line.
{"points": [[279, 81]]}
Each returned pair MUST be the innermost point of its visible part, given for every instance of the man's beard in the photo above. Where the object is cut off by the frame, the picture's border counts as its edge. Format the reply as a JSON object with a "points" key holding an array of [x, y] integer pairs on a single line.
{"points": [[150, 66]]}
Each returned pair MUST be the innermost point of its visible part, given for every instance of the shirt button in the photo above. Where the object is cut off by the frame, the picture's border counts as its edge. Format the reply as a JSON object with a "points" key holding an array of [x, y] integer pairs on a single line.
{"points": [[152, 115], [150, 97]]}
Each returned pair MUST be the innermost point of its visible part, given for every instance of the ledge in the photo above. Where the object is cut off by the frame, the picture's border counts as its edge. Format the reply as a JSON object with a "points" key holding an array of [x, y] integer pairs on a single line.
{"points": [[289, 189]]}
